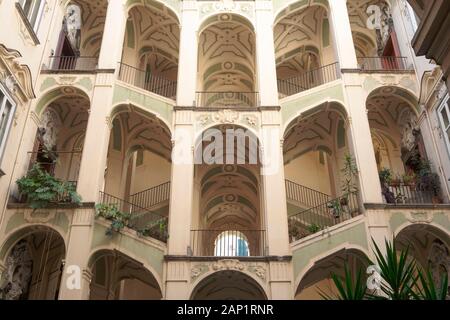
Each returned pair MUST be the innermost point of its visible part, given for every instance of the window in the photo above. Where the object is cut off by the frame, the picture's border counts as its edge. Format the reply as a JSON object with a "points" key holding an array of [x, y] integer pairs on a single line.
{"points": [[7, 110], [231, 244], [444, 116], [33, 11]]}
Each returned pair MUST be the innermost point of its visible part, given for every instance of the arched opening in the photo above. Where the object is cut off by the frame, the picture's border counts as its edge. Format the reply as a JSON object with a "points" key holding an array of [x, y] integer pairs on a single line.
{"points": [[316, 156], [151, 49], [429, 246], [304, 51], [228, 285], [231, 244], [33, 265], [374, 35], [407, 176], [59, 140], [81, 36], [139, 170], [119, 277], [318, 279], [228, 219], [227, 63]]}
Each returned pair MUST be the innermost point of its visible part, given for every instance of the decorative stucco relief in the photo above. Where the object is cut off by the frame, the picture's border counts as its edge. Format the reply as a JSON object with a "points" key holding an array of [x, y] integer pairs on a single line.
{"points": [[257, 269], [227, 6]]}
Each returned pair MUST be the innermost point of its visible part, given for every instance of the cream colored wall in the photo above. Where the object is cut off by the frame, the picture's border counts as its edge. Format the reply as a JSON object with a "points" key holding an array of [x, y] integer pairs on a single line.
{"points": [[309, 172], [153, 172]]}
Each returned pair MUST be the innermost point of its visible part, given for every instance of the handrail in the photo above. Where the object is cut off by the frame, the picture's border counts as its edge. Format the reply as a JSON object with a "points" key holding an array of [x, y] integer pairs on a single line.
{"points": [[326, 215], [308, 80], [73, 63], [228, 243], [145, 80], [383, 63], [305, 195], [153, 196], [142, 219]]}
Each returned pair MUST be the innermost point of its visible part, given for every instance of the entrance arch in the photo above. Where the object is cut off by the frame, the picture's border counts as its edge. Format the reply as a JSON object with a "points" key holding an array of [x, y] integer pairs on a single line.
{"points": [[228, 285], [117, 276], [33, 264]]}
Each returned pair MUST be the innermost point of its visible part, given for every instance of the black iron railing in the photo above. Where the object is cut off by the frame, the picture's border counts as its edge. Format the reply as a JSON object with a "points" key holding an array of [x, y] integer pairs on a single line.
{"points": [[383, 63], [144, 221], [305, 196], [50, 161], [152, 197], [147, 81], [228, 243], [229, 100], [73, 63], [309, 80], [407, 194], [326, 215]]}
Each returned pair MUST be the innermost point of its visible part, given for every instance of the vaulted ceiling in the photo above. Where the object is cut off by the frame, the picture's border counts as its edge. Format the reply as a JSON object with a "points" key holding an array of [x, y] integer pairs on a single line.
{"points": [[227, 56], [93, 23], [299, 39], [323, 129]]}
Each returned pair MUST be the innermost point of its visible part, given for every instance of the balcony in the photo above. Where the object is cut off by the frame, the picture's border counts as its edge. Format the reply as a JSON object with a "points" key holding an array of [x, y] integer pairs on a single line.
{"points": [[147, 81], [228, 243], [227, 100], [324, 216], [402, 194], [384, 64], [66, 64], [308, 80], [142, 220]]}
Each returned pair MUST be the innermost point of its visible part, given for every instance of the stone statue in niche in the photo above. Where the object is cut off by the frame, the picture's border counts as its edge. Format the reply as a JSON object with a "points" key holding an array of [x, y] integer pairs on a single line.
{"points": [[384, 28], [72, 23], [409, 130], [16, 279], [49, 130]]}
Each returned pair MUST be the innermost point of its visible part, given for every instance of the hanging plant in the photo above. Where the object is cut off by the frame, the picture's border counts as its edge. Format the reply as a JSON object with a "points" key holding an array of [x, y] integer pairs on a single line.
{"points": [[119, 219], [40, 189]]}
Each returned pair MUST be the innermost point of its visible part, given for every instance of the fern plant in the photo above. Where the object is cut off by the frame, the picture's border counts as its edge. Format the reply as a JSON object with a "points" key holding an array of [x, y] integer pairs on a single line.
{"points": [[119, 219], [42, 189]]}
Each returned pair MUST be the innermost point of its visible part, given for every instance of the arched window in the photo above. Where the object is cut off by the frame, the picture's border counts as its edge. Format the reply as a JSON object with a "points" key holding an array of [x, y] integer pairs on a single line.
{"points": [[231, 244]]}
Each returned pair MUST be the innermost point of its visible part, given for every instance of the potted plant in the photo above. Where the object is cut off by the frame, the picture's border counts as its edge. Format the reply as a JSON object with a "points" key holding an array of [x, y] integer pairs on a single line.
{"points": [[429, 181], [410, 179], [396, 181], [385, 176], [40, 189], [119, 219], [349, 185], [314, 228]]}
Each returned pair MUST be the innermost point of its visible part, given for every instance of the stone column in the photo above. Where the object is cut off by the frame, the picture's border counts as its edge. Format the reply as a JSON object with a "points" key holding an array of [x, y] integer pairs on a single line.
{"points": [[95, 150], [113, 35], [342, 34], [275, 206], [75, 279], [265, 55], [274, 188], [360, 140], [188, 60], [181, 206]]}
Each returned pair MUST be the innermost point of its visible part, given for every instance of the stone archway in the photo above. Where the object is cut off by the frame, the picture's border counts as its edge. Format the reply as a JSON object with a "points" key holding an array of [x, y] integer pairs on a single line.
{"points": [[317, 279], [430, 247], [33, 266], [228, 285], [117, 276]]}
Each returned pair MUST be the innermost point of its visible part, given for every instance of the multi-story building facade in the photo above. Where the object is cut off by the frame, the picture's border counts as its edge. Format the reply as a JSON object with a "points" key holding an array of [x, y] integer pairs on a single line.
{"points": [[126, 99]]}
